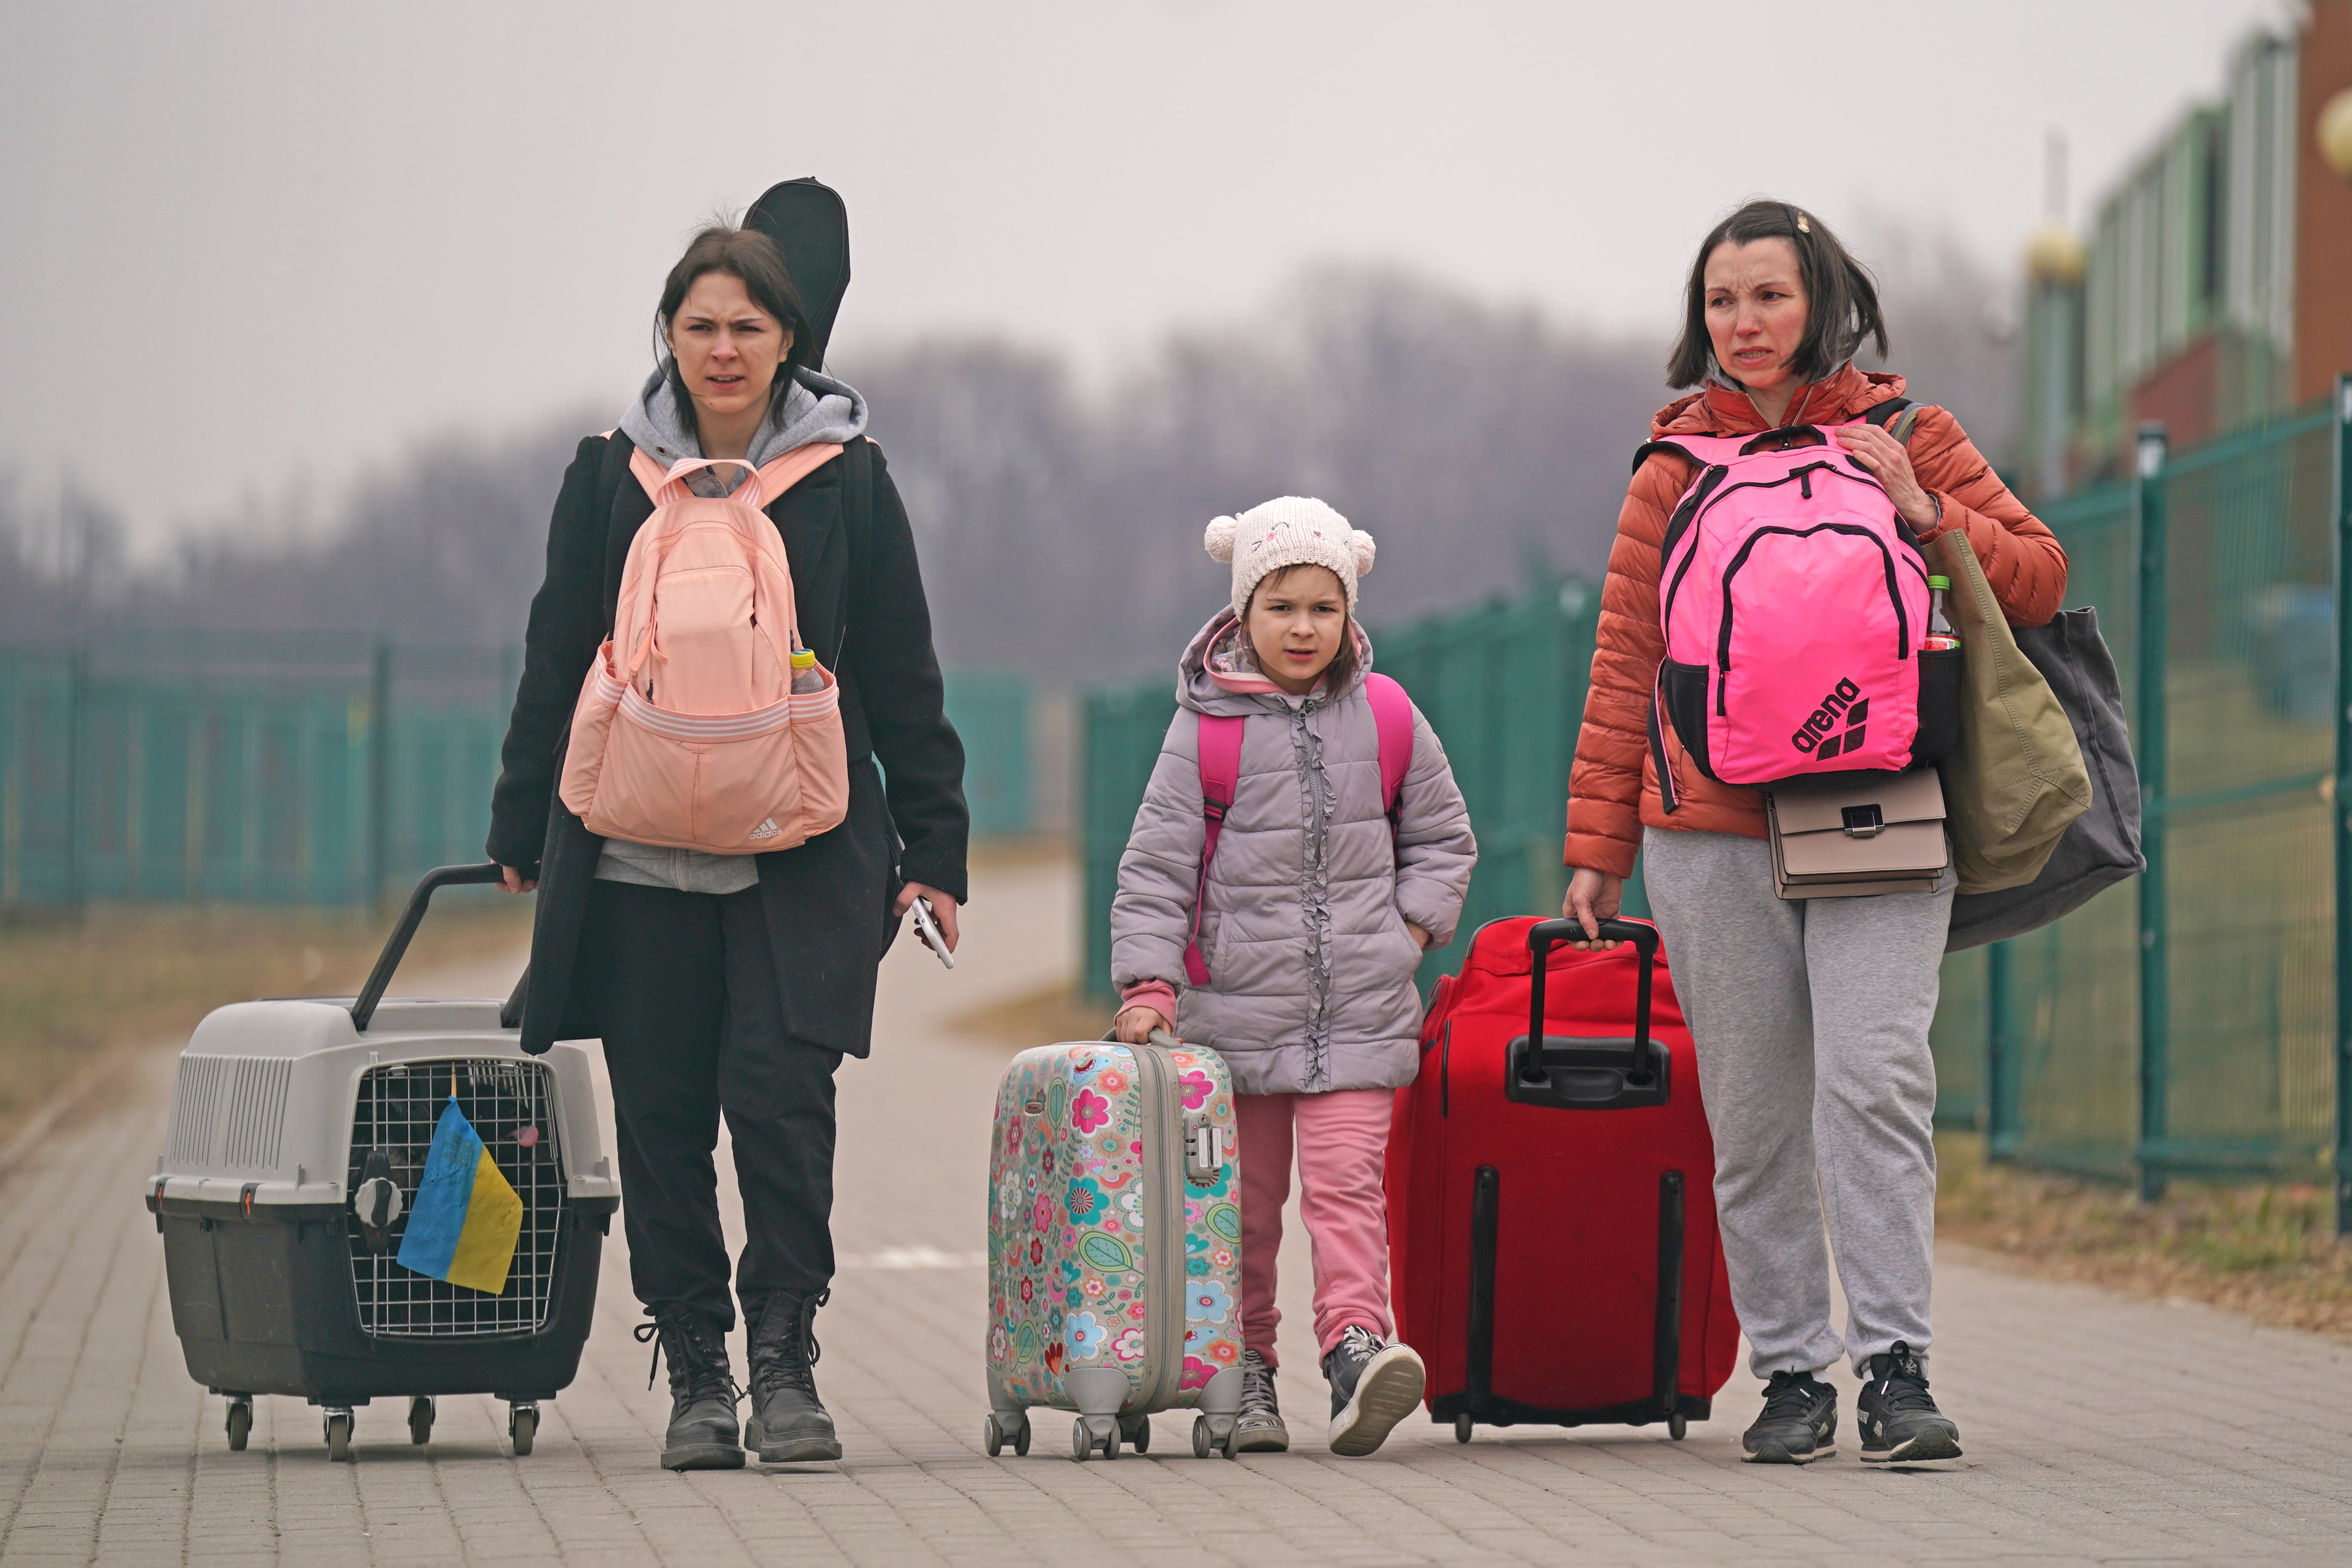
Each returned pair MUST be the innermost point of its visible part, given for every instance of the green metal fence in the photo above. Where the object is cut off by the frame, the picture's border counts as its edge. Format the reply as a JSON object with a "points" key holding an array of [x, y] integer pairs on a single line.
{"points": [[303, 769], [2187, 1023], [2183, 1023]]}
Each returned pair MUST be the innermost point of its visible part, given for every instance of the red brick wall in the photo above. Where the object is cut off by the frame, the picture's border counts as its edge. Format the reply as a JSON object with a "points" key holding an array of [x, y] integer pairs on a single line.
{"points": [[2184, 393], [2323, 252]]}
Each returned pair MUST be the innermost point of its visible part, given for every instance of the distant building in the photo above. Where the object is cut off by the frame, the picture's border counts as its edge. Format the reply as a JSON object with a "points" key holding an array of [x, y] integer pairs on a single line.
{"points": [[2216, 285]]}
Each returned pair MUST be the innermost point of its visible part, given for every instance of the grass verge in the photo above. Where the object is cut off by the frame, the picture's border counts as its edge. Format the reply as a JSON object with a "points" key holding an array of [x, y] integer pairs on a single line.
{"points": [[2269, 1252], [77, 987]]}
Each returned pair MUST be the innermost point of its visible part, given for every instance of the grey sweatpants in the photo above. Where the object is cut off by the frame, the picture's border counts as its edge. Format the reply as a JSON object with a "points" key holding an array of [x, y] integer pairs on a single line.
{"points": [[1811, 1020]]}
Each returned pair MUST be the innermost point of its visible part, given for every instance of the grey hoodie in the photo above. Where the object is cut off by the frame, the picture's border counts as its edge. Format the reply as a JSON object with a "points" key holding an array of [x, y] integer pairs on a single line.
{"points": [[815, 409], [1311, 968]]}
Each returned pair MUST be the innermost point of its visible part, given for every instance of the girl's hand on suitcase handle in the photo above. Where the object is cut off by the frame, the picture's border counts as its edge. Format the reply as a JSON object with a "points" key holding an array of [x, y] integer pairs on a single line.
{"points": [[1136, 1024], [1593, 896], [514, 881]]}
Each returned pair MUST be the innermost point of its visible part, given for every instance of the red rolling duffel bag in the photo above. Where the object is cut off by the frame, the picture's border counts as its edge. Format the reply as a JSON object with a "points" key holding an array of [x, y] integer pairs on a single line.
{"points": [[1552, 1207]]}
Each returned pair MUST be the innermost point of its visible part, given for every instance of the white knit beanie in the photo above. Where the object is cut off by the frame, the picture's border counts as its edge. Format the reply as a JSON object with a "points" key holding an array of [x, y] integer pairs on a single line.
{"points": [[1288, 530]]}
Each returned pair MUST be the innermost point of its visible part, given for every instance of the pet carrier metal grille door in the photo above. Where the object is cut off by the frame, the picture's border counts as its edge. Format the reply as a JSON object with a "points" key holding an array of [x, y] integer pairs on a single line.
{"points": [[512, 1106]]}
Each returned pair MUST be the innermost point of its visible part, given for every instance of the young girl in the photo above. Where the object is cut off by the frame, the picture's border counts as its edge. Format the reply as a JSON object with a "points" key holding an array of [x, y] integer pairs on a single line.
{"points": [[1311, 920]]}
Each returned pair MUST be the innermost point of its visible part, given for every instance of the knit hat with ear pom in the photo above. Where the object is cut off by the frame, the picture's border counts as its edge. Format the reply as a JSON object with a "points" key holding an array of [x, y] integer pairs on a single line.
{"points": [[1289, 530]]}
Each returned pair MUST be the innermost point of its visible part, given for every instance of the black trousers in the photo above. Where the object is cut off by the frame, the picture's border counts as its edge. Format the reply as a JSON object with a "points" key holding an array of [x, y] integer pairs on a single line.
{"points": [[684, 987]]}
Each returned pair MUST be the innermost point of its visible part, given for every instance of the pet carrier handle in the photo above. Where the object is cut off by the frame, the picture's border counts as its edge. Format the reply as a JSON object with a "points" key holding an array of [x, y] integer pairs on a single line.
{"points": [[363, 1009], [1544, 935]]}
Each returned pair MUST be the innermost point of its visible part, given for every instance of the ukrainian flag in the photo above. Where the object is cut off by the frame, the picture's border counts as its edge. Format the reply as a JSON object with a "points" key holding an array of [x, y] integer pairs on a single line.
{"points": [[466, 1219]]}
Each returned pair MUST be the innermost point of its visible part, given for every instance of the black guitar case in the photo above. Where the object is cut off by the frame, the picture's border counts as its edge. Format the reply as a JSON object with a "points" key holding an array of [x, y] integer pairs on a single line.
{"points": [[810, 226]]}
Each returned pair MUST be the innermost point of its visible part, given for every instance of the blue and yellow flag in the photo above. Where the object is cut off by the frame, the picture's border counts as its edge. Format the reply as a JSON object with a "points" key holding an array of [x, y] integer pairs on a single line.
{"points": [[466, 1217]]}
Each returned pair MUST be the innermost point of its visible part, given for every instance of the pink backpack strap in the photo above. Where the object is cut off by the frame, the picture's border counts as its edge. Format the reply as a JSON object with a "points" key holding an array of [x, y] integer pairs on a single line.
{"points": [[1221, 773], [775, 478], [1393, 719]]}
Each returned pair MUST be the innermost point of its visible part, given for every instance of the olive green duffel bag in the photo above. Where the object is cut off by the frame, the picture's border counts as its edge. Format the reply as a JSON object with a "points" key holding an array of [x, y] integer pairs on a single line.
{"points": [[2016, 781]]}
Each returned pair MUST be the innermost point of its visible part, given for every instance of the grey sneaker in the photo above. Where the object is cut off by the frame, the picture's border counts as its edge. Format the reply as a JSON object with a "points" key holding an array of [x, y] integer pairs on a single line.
{"points": [[1259, 1429], [1896, 1415], [1374, 1386], [1799, 1424]]}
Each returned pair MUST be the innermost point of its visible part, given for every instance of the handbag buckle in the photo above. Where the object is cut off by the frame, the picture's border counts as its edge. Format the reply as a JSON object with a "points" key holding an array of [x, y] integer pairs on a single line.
{"points": [[1864, 821]]}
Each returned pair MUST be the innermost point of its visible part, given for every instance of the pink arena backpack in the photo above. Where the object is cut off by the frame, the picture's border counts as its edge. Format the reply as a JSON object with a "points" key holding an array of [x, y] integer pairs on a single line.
{"points": [[688, 733], [1221, 773], [1794, 599]]}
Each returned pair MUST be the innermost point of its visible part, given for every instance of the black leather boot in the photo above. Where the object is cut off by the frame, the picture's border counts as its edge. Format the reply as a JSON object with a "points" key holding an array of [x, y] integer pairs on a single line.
{"points": [[703, 1434], [789, 1423]]}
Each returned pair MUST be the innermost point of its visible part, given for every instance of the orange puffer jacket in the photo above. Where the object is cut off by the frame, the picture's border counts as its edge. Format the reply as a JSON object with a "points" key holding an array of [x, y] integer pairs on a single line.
{"points": [[1612, 792]]}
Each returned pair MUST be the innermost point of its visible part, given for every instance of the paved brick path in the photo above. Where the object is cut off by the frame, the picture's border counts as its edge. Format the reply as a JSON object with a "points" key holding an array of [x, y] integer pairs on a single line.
{"points": [[2098, 1429]]}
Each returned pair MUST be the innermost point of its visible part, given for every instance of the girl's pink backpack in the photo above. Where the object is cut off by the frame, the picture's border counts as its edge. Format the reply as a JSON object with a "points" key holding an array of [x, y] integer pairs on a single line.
{"points": [[1794, 599], [688, 733]]}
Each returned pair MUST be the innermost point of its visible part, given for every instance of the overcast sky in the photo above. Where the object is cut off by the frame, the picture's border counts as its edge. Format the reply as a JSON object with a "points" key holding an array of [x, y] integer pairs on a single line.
{"points": [[258, 243]]}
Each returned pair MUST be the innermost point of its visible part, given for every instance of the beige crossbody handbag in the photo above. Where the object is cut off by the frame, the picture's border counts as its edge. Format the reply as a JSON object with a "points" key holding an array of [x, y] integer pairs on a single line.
{"points": [[1885, 835]]}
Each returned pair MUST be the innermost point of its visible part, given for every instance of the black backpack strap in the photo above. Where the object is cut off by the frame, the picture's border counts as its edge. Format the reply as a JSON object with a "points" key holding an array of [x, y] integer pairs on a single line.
{"points": [[1897, 416], [857, 524], [1642, 453]]}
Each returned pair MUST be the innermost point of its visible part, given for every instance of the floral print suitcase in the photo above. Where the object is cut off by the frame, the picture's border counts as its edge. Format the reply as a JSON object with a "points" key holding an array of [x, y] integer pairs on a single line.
{"points": [[1114, 1245]]}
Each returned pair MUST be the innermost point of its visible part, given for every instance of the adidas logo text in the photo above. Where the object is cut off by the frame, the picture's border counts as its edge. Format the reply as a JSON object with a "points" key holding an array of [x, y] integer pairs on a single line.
{"points": [[1846, 701], [767, 829]]}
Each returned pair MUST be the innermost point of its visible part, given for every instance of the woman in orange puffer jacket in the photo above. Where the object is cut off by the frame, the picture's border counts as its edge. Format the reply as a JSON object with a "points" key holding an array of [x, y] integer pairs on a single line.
{"points": [[1811, 1016]]}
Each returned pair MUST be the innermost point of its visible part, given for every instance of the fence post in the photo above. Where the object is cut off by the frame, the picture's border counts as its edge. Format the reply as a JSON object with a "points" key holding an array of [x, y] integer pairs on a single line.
{"points": [[379, 766], [77, 699], [1999, 1096], [2342, 499], [2155, 1013]]}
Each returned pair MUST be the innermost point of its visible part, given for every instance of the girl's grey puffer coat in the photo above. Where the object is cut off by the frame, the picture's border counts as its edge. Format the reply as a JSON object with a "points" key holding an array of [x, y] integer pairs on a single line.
{"points": [[1311, 968]]}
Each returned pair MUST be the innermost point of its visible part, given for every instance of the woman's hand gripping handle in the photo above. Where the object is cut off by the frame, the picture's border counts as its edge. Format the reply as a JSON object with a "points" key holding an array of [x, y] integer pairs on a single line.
{"points": [[1593, 896]]}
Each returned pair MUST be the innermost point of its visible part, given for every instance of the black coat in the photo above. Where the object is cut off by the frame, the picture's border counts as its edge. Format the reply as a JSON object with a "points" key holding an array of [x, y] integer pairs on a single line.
{"points": [[859, 597]]}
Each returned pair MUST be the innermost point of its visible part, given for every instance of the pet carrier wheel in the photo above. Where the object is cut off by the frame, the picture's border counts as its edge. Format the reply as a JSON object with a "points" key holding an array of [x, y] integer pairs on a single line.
{"points": [[522, 1425], [1676, 1426], [339, 1434], [420, 1420], [240, 1420], [1136, 1433], [1463, 1426]]}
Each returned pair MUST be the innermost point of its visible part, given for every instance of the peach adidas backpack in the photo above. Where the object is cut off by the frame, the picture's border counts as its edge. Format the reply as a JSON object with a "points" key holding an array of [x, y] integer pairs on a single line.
{"points": [[688, 733]]}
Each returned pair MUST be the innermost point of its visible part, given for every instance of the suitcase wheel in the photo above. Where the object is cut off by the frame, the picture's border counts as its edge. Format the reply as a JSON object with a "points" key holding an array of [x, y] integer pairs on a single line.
{"points": [[420, 1420], [1089, 1433], [1463, 1426], [339, 1434], [1007, 1426], [522, 1425], [1207, 1439], [240, 1420], [1135, 1431], [1676, 1426]]}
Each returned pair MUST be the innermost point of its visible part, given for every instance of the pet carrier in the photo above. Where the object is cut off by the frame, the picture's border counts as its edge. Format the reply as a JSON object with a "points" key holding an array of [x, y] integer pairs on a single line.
{"points": [[291, 1172]]}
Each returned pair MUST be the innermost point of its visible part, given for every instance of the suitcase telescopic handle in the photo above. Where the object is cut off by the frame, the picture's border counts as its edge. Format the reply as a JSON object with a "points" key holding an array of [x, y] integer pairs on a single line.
{"points": [[1545, 935], [396, 946]]}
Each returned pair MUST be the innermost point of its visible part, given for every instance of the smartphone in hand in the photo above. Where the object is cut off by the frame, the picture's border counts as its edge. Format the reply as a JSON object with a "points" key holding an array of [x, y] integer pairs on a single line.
{"points": [[929, 928]]}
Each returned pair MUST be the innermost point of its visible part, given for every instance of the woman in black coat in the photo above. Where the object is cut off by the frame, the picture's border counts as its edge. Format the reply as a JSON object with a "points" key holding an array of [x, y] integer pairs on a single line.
{"points": [[734, 984]]}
